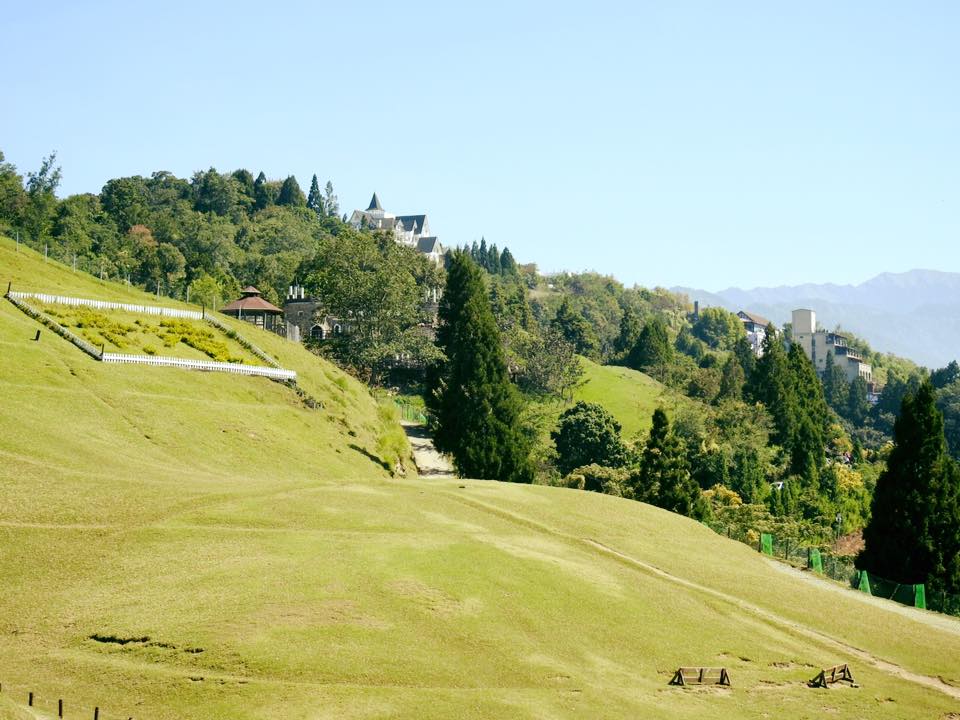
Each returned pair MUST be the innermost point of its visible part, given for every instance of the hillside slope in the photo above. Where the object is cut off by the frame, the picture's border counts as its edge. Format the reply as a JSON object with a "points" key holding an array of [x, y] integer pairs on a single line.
{"points": [[186, 545]]}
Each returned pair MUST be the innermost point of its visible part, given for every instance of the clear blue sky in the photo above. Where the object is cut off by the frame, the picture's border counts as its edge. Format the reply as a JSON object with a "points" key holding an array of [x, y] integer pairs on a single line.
{"points": [[706, 144]]}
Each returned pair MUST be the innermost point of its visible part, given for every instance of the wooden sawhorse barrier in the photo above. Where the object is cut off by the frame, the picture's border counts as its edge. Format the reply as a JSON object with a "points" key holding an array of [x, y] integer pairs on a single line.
{"points": [[835, 674], [701, 676]]}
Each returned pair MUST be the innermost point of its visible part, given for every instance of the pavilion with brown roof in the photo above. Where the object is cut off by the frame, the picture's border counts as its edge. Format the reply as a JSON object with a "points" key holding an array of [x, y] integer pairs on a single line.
{"points": [[254, 309]]}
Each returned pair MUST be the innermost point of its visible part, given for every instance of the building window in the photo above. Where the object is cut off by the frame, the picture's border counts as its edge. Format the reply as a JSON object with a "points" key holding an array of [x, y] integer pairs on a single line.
{"points": [[337, 330], [316, 332]]}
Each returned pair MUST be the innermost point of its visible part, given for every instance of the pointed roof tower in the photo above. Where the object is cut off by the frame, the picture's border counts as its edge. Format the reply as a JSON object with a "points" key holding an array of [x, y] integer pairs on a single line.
{"points": [[374, 203]]}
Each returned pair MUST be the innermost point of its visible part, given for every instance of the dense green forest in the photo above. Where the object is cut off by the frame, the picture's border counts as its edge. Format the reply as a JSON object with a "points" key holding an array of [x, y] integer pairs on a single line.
{"points": [[755, 438]]}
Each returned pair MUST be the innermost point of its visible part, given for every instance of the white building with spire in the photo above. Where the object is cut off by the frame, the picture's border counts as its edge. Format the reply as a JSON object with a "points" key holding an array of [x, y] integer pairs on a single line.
{"points": [[410, 230]]}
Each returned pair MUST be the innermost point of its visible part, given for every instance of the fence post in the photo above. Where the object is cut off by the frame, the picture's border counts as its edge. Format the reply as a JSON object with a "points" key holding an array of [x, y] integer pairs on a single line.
{"points": [[30, 698], [920, 596], [60, 708], [96, 713]]}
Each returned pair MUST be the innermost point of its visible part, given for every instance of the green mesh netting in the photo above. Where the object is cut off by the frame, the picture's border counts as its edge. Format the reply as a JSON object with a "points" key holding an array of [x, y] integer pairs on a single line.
{"points": [[864, 585], [814, 561], [766, 543]]}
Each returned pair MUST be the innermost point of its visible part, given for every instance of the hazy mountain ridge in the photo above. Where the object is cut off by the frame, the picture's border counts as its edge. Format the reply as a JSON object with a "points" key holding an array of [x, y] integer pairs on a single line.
{"points": [[914, 314]]}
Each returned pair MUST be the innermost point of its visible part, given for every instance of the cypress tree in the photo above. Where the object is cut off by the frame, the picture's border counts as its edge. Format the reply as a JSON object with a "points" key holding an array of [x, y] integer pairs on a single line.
{"points": [[857, 406], [731, 380], [507, 263], [291, 194], [663, 477], [652, 351], [477, 409], [315, 199], [262, 194], [914, 531], [770, 385], [482, 257], [810, 422], [835, 389], [745, 356], [493, 260], [630, 329]]}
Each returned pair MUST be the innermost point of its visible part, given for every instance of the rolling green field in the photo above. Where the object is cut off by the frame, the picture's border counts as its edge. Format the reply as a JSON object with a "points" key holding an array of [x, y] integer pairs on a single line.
{"points": [[176, 544], [630, 395]]}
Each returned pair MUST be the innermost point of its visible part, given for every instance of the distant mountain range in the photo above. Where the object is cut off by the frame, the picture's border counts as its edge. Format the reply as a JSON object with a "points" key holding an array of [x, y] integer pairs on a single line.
{"points": [[914, 314]]}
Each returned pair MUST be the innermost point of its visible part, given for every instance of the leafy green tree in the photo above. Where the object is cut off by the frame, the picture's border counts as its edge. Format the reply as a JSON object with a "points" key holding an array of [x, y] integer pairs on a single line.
{"points": [[718, 328], [13, 198], [914, 531], [82, 228], [731, 380], [588, 434], [545, 365], [370, 282], [477, 409], [948, 402], [663, 477], [291, 194], [126, 201], [42, 201], [315, 199], [652, 352], [575, 328], [215, 193], [206, 291], [945, 375]]}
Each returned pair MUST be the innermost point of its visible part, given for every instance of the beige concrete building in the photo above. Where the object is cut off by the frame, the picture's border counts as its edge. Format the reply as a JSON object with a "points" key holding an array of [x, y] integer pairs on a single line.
{"points": [[817, 344]]}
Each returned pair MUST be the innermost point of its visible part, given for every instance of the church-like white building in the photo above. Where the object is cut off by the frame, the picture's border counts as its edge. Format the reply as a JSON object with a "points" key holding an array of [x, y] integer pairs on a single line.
{"points": [[410, 230]]}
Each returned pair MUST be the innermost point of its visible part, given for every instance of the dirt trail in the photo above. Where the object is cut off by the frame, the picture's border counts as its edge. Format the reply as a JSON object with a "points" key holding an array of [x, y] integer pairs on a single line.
{"points": [[774, 619], [934, 683], [430, 463]]}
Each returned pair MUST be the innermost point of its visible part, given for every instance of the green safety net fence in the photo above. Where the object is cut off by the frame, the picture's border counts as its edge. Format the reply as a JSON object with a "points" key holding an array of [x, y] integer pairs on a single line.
{"points": [[903, 593], [411, 413], [819, 560]]}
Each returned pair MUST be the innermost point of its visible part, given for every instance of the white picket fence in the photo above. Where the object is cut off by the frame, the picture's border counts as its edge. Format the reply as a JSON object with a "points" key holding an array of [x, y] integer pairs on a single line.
{"points": [[104, 305], [208, 365]]}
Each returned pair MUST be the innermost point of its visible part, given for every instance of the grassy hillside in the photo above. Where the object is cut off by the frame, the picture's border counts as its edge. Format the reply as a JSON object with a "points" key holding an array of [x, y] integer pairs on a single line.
{"points": [[177, 544], [630, 395]]}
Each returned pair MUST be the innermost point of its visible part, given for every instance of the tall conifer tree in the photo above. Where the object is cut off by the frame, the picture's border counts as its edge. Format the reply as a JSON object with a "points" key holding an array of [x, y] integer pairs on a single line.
{"points": [[663, 477], [476, 406], [914, 531], [315, 199]]}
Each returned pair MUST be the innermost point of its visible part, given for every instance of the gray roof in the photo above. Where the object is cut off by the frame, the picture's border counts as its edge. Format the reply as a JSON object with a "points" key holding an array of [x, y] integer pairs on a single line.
{"points": [[429, 245], [412, 222], [753, 317], [375, 203]]}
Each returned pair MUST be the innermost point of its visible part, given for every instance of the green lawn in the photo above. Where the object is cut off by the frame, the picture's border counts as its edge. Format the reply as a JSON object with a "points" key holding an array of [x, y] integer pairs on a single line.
{"points": [[630, 395], [177, 544]]}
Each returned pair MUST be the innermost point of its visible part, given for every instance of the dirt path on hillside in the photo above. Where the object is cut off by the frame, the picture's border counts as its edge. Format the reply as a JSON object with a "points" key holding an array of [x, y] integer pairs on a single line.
{"points": [[935, 620], [430, 463], [933, 683], [890, 668]]}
